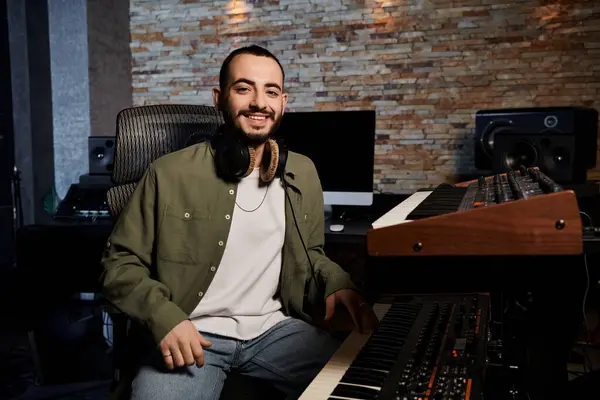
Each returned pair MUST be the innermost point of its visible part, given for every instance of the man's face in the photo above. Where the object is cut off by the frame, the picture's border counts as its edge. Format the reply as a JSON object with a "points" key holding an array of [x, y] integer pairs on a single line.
{"points": [[253, 100]]}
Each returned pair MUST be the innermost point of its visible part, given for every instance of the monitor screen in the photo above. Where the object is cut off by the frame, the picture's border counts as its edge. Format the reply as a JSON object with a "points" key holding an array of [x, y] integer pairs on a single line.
{"points": [[341, 144]]}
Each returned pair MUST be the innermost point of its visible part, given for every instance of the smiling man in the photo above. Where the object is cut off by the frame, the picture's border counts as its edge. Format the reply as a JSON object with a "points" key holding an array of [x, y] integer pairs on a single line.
{"points": [[219, 253]]}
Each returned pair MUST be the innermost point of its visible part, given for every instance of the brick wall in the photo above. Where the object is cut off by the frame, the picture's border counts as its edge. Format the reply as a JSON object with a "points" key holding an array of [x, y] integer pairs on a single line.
{"points": [[426, 66]]}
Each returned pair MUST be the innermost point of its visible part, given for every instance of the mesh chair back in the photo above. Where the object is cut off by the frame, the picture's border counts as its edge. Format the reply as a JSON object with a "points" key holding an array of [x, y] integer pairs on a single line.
{"points": [[117, 198], [146, 133]]}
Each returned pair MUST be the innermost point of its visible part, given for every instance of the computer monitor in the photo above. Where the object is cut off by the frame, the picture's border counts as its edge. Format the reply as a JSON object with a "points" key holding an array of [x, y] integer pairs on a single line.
{"points": [[341, 144]]}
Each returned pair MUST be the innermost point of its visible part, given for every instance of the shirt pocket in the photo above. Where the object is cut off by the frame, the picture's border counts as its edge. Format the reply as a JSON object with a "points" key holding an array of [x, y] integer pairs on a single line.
{"points": [[181, 234]]}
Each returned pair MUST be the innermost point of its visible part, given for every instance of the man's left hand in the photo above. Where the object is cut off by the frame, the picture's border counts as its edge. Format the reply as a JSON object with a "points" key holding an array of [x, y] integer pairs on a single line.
{"points": [[362, 314]]}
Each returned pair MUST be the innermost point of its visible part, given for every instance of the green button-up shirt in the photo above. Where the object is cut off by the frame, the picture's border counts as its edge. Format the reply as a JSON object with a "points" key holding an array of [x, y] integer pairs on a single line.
{"points": [[167, 244]]}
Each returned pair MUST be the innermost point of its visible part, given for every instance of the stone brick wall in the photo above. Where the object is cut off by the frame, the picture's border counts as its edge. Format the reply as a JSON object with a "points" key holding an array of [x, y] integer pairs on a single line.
{"points": [[426, 66]]}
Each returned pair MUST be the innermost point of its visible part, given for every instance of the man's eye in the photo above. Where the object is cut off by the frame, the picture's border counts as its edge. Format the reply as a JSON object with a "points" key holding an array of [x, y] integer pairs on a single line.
{"points": [[241, 89], [273, 93]]}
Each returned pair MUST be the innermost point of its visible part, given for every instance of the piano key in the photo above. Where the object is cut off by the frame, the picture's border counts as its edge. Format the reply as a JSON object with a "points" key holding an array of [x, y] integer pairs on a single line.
{"points": [[373, 363], [355, 392], [398, 214], [394, 330], [444, 199], [383, 347], [329, 377], [357, 376], [378, 349], [383, 342]]}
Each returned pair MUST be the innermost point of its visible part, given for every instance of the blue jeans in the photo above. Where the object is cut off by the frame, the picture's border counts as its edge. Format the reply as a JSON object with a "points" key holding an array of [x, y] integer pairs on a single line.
{"points": [[289, 356]]}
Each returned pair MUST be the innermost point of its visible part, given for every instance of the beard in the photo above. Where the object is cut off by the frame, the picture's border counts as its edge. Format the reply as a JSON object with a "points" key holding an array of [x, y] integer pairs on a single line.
{"points": [[251, 136]]}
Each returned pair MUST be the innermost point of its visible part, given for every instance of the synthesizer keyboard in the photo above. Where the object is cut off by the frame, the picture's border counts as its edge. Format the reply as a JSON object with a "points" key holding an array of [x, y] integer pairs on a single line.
{"points": [[425, 347], [522, 212]]}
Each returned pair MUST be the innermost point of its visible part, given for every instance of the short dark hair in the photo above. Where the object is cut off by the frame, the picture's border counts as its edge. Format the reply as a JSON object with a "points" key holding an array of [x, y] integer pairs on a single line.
{"points": [[253, 50]]}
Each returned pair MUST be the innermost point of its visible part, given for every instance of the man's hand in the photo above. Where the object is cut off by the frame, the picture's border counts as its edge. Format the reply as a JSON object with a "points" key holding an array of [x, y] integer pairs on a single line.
{"points": [[183, 346], [362, 314]]}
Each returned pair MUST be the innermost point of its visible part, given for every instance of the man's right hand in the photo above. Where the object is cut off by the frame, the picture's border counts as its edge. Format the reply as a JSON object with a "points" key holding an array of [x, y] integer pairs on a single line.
{"points": [[183, 346]]}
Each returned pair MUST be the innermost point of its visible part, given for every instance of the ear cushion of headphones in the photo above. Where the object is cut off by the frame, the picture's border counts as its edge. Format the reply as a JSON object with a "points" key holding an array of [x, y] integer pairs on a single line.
{"points": [[233, 158], [270, 161], [273, 161]]}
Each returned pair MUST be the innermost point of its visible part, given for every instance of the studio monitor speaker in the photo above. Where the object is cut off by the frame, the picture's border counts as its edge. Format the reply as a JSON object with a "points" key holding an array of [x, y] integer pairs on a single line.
{"points": [[101, 154], [560, 141]]}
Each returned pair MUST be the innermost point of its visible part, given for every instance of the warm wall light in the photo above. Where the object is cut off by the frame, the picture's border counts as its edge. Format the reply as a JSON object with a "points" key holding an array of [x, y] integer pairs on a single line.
{"points": [[237, 7], [236, 4], [238, 18]]}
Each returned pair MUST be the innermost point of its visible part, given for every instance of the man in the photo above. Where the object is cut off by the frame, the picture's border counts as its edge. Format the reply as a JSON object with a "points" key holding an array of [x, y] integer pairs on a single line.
{"points": [[218, 270]]}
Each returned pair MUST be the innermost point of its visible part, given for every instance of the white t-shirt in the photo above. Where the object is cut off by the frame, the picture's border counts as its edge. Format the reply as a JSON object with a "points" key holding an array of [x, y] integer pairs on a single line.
{"points": [[239, 302]]}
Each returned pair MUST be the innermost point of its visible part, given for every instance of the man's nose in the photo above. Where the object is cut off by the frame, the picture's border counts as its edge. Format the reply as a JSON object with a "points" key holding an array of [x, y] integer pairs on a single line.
{"points": [[258, 100]]}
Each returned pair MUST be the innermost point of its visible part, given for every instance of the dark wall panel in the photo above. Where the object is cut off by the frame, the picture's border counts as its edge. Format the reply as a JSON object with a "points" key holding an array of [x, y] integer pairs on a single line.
{"points": [[7, 154]]}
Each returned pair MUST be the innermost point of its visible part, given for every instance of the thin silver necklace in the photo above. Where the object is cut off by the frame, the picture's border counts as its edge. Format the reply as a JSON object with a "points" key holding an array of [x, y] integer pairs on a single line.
{"points": [[257, 207]]}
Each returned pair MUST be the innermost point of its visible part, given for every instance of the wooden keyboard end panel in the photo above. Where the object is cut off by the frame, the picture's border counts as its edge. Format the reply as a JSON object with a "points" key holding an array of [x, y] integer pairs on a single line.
{"points": [[543, 225]]}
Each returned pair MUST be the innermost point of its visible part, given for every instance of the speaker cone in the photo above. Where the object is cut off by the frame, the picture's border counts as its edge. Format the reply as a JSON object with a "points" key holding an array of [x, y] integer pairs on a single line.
{"points": [[489, 135], [102, 156], [523, 153]]}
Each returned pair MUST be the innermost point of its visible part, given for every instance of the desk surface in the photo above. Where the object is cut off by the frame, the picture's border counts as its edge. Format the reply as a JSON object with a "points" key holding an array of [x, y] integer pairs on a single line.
{"points": [[354, 231]]}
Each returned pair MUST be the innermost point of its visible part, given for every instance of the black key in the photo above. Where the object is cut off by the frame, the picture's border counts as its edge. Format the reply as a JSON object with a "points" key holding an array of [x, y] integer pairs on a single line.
{"points": [[381, 347], [355, 392], [395, 331], [372, 364], [391, 342], [444, 199], [380, 353], [364, 377], [365, 358]]}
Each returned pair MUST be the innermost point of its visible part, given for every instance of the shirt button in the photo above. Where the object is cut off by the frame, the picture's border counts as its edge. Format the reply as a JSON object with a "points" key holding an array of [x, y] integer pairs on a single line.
{"points": [[213, 269], [200, 294], [227, 216], [231, 191], [220, 243], [186, 215]]}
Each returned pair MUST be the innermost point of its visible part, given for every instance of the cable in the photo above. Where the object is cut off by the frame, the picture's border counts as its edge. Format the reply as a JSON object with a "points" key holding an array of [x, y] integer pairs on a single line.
{"points": [[585, 320], [589, 218], [586, 355]]}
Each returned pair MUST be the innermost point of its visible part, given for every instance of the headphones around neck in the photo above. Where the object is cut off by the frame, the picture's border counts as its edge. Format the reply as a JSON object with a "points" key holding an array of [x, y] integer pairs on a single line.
{"points": [[235, 159]]}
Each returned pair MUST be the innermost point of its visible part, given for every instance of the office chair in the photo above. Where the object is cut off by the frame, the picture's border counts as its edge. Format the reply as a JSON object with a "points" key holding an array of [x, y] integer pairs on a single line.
{"points": [[144, 134]]}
